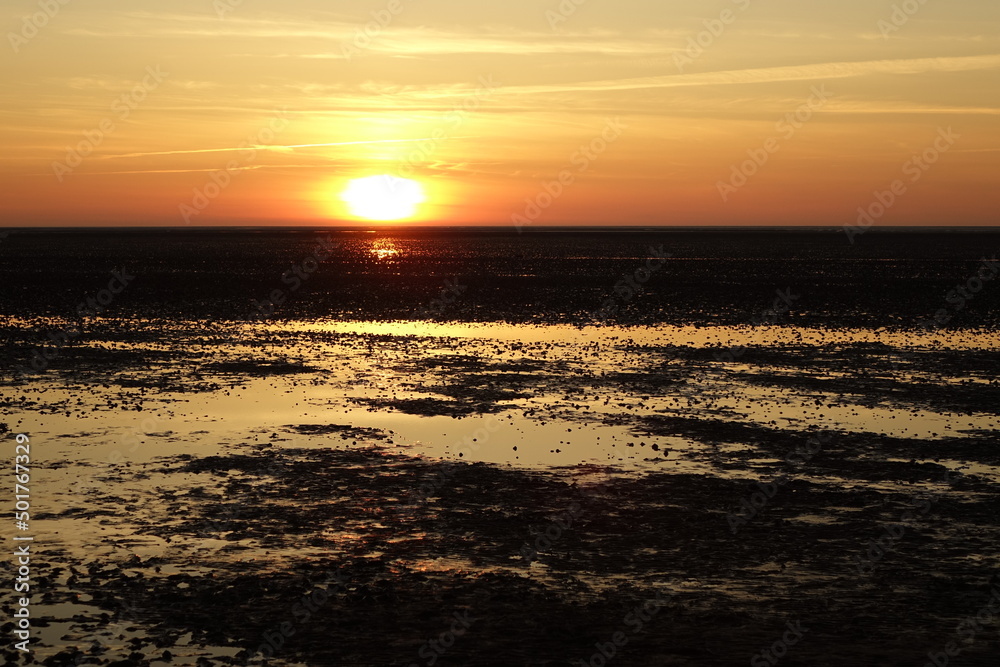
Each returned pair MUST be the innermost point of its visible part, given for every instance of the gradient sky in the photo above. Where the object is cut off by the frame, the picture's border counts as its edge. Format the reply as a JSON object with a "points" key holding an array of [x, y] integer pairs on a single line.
{"points": [[293, 74]]}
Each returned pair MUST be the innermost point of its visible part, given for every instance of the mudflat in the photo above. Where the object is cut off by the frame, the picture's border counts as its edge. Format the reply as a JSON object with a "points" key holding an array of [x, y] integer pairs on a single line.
{"points": [[459, 447]]}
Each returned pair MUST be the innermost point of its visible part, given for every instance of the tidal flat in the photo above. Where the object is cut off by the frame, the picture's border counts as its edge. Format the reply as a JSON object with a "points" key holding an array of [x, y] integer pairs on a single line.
{"points": [[358, 479]]}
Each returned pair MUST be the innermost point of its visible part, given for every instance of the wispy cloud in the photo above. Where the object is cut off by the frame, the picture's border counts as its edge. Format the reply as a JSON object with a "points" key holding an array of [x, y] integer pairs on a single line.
{"points": [[864, 107], [249, 167], [289, 147], [420, 42], [164, 171], [324, 40], [811, 72]]}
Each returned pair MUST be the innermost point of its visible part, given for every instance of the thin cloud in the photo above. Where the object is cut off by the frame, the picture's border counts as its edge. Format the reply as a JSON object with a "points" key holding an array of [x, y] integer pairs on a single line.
{"points": [[813, 72], [396, 41], [165, 171], [411, 44], [261, 147]]}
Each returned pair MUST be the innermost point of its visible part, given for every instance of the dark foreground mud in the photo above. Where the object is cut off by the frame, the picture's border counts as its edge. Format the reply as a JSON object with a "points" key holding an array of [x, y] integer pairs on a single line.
{"points": [[365, 556]]}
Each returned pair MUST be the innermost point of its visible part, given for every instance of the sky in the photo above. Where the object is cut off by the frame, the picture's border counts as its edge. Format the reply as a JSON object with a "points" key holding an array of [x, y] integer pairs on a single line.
{"points": [[524, 112]]}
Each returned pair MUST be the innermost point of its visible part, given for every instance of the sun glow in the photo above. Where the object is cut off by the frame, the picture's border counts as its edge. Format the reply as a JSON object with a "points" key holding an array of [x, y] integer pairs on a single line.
{"points": [[383, 197]]}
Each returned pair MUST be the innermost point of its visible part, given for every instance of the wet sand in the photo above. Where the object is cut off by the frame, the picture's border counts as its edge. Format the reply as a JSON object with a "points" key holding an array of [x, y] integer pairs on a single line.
{"points": [[477, 488]]}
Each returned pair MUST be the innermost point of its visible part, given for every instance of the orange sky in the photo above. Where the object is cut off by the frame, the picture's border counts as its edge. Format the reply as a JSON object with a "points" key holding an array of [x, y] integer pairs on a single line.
{"points": [[255, 112]]}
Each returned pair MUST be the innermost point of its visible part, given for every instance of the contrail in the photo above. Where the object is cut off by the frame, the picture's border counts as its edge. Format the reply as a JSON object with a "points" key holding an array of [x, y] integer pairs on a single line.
{"points": [[263, 147]]}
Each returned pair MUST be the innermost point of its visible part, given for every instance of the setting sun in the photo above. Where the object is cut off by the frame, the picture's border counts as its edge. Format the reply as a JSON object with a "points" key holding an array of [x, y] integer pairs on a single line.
{"points": [[383, 197]]}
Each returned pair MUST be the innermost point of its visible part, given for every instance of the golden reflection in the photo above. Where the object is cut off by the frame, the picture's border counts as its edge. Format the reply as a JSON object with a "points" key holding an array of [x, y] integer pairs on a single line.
{"points": [[384, 249]]}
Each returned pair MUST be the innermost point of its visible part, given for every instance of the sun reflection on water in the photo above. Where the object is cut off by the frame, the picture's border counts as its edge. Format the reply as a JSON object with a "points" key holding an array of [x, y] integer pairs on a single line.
{"points": [[384, 249]]}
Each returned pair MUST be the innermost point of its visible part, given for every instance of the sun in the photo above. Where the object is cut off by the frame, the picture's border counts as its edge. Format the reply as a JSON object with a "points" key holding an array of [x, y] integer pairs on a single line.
{"points": [[383, 197]]}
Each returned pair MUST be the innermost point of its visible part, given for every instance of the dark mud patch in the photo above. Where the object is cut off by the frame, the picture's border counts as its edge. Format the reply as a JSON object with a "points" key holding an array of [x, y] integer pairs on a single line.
{"points": [[346, 432], [478, 391], [647, 381], [474, 387], [431, 407], [370, 554], [452, 363], [257, 368], [962, 398], [843, 453]]}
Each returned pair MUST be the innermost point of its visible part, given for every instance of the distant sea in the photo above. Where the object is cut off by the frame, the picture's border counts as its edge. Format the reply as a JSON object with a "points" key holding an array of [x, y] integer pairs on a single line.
{"points": [[886, 277]]}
